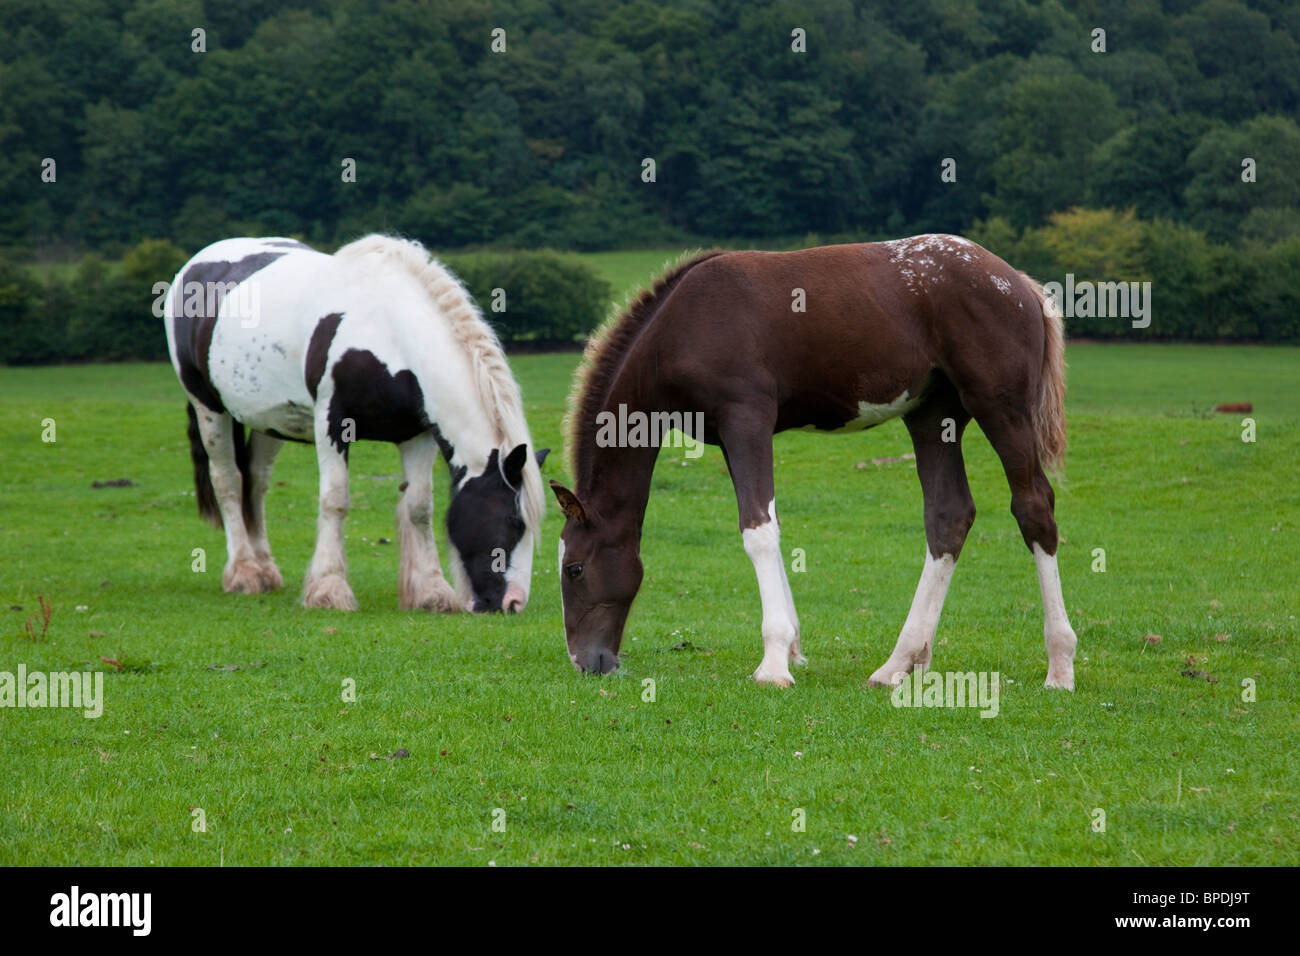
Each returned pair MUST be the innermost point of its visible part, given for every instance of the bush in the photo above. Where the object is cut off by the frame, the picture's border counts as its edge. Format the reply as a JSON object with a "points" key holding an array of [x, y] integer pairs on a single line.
{"points": [[112, 318], [102, 314], [1200, 290], [1179, 262], [27, 334], [1274, 296], [544, 300], [153, 260]]}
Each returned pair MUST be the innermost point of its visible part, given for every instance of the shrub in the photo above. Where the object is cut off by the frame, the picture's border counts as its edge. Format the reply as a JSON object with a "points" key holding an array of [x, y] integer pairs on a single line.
{"points": [[103, 313], [1178, 262], [28, 335], [1274, 296], [545, 300]]}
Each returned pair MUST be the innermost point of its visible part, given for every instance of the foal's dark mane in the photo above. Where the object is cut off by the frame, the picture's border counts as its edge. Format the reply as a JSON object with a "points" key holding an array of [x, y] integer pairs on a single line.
{"points": [[603, 359]]}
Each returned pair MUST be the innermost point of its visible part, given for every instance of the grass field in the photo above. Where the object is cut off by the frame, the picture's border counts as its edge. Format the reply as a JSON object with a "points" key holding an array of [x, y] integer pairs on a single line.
{"points": [[233, 704], [628, 271]]}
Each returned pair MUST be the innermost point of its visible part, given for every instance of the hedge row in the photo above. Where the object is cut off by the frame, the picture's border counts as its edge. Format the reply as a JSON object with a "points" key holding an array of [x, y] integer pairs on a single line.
{"points": [[1200, 290], [105, 312]]}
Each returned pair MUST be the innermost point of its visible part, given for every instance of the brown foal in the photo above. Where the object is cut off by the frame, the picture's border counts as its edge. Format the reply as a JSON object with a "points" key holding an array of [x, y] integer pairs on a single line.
{"points": [[934, 329]]}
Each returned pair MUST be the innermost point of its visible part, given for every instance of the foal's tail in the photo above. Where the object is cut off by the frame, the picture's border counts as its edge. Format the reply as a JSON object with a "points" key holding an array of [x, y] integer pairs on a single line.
{"points": [[1049, 409]]}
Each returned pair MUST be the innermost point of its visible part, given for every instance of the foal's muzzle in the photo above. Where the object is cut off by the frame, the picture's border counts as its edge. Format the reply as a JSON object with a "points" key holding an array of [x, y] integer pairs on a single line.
{"points": [[596, 661]]}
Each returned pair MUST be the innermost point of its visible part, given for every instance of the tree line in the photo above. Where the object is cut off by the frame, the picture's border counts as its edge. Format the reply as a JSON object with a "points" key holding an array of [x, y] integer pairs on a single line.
{"points": [[593, 124], [543, 142]]}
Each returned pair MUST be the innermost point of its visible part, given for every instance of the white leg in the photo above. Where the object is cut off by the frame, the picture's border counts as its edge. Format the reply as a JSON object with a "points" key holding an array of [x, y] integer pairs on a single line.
{"points": [[912, 651], [796, 653], [1057, 633], [261, 457], [241, 573], [780, 626], [420, 581], [327, 578]]}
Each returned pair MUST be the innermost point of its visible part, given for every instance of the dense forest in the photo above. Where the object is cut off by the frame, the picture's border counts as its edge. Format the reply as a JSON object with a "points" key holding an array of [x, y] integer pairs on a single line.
{"points": [[544, 142], [1121, 139]]}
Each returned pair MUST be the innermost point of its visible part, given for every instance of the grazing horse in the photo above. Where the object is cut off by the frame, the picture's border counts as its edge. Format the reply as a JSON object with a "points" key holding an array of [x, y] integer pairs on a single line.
{"points": [[376, 342], [934, 329]]}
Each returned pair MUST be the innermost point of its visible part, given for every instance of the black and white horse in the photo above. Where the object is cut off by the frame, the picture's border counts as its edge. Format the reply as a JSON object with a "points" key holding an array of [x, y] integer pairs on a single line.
{"points": [[274, 341]]}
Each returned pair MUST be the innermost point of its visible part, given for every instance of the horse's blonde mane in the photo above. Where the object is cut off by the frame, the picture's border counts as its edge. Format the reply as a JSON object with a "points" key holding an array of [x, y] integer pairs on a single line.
{"points": [[498, 392]]}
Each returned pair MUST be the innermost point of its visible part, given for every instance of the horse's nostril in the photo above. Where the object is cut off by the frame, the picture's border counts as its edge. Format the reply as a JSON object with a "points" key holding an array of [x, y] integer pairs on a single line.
{"points": [[514, 600]]}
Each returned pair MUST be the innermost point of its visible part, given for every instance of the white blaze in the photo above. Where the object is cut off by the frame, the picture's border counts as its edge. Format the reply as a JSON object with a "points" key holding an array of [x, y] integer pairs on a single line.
{"points": [[519, 575]]}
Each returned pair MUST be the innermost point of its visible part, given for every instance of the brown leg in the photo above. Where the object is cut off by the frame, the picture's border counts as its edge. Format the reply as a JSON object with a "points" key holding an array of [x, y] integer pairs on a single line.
{"points": [[746, 437], [936, 428], [1033, 504]]}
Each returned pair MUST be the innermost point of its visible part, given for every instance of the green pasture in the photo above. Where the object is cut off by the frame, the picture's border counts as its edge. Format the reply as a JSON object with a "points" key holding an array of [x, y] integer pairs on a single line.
{"points": [[233, 705], [628, 271]]}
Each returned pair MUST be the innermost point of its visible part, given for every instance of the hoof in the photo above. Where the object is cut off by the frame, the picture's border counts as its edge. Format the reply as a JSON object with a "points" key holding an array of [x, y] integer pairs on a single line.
{"points": [[440, 598], [247, 577], [776, 676], [908, 655], [1060, 680], [271, 577], [889, 675], [331, 591]]}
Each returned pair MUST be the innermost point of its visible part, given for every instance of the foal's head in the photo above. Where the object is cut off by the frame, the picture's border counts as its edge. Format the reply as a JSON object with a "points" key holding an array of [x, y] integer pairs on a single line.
{"points": [[600, 573], [486, 527]]}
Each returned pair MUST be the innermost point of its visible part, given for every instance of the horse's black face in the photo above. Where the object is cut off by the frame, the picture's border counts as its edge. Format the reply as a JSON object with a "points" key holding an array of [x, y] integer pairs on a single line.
{"points": [[600, 574], [485, 525]]}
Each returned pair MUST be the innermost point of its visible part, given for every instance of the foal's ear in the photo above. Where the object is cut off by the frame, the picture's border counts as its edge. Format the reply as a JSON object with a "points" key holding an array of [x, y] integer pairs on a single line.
{"points": [[569, 502], [513, 466], [541, 456]]}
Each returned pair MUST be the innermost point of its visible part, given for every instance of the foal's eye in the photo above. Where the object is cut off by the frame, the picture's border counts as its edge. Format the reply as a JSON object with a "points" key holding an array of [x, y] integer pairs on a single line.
{"points": [[574, 571]]}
